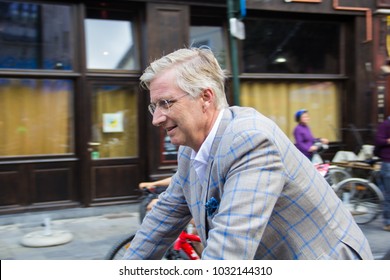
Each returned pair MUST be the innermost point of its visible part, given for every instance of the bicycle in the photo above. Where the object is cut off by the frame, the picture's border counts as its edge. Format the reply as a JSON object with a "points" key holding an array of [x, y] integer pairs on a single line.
{"points": [[339, 173], [359, 192], [333, 174], [184, 248], [362, 196]]}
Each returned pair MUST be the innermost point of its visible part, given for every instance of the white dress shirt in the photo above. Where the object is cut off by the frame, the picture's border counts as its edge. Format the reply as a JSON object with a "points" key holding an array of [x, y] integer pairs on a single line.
{"points": [[201, 158]]}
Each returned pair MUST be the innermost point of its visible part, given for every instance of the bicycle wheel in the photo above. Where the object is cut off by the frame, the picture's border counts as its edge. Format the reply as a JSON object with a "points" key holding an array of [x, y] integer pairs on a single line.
{"points": [[362, 197], [118, 250], [337, 174], [173, 254]]}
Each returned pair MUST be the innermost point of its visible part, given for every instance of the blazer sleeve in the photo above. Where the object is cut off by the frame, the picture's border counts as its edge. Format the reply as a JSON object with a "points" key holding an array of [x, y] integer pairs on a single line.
{"points": [[162, 225]]}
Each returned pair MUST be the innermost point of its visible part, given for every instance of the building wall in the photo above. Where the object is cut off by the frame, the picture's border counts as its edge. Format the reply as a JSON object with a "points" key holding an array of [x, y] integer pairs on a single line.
{"points": [[78, 177]]}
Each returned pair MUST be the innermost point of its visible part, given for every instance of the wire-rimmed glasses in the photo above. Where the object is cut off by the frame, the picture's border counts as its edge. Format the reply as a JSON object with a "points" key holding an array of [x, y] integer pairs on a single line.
{"points": [[164, 105]]}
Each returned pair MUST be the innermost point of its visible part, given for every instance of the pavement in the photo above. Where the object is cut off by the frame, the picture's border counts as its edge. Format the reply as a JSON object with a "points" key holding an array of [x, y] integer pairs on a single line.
{"points": [[94, 230], [378, 238]]}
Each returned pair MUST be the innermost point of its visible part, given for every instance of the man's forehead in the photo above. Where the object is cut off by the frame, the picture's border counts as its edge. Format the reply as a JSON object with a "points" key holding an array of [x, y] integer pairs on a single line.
{"points": [[162, 81]]}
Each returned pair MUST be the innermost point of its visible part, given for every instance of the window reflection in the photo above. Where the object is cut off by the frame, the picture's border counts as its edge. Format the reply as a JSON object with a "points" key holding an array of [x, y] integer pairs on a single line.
{"points": [[279, 101], [115, 121], [35, 36], [110, 45], [36, 117], [211, 36], [305, 47]]}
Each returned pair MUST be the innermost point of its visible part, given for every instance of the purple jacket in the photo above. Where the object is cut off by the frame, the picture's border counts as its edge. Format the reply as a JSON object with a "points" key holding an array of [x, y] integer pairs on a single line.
{"points": [[382, 134], [304, 139]]}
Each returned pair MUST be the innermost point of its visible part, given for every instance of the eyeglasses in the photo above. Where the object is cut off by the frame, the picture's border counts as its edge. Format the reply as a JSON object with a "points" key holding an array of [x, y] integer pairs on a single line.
{"points": [[164, 105]]}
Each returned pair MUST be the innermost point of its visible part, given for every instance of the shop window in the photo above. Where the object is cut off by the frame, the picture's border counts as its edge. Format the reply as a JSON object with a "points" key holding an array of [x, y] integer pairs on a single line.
{"points": [[212, 37], [115, 121], [291, 47], [35, 36], [36, 117], [279, 101], [111, 42]]}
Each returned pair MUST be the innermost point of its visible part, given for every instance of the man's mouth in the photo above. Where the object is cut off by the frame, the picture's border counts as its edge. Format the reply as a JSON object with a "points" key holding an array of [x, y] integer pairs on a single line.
{"points": [[168, 129]]}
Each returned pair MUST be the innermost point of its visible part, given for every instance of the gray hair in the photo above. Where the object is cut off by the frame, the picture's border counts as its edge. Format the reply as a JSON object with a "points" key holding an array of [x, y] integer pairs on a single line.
{"points": [[196, 69]]}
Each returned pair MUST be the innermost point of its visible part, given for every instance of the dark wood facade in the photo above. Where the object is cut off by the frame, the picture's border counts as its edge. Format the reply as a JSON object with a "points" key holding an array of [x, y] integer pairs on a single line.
{"points": [[31, 183]]}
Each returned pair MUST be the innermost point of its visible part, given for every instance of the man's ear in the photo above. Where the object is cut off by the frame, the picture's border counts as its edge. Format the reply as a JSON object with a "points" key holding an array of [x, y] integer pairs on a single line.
{"points": [[207, 96]]}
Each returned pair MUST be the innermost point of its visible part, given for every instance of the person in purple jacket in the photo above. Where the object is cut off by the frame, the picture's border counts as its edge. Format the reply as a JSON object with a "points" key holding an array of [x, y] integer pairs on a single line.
{"points": [[382, 141], [304, 139]]}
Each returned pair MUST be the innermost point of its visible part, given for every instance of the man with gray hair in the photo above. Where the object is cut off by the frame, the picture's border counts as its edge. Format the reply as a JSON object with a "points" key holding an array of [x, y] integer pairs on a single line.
{"points": [[251, 193]]}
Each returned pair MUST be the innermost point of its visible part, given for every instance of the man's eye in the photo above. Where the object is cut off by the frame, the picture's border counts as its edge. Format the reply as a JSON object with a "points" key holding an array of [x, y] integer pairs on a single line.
{"points": [[164, 104]]}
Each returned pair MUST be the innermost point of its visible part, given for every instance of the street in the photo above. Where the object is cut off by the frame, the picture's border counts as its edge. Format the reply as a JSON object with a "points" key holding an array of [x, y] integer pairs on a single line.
{"points": [[95, 230], [378, 238]]}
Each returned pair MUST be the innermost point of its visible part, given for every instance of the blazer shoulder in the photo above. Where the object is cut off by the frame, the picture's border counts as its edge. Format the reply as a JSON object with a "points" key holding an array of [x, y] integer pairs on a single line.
{"points": [[247, 119]]}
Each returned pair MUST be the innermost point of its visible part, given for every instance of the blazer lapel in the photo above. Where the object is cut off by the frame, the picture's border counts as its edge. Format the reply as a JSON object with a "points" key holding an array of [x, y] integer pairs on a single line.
{"points": [[209, 176]]}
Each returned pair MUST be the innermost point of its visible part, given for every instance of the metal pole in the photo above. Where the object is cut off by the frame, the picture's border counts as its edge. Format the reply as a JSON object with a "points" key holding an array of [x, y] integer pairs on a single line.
{"points": [[234, 55]]}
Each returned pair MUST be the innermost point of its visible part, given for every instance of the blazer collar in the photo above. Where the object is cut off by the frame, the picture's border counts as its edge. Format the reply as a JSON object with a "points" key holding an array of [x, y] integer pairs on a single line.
{"points": [[226, 119]]}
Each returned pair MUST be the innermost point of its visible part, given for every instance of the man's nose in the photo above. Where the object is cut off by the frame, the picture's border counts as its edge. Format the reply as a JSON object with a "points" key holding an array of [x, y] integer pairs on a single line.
{"points": [[158, 118]]}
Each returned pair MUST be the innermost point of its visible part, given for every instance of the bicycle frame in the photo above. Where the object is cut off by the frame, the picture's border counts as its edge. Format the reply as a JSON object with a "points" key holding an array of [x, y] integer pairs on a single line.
{"points": [[182, 248], [183, 242], [323, 168]]}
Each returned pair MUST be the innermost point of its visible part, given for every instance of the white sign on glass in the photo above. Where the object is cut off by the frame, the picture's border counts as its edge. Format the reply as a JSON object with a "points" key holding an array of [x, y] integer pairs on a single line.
{"points": [[113, 122]]}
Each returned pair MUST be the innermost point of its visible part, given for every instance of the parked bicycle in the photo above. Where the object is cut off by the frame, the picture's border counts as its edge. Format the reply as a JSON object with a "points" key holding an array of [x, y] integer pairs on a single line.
{"points": [[355, 181], [332, 173], [362, 196], [186, 247]]}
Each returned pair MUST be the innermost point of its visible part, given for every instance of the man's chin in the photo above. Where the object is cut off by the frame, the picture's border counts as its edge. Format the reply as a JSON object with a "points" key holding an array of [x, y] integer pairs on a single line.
{"points": [[176, 143], [175, 139]]}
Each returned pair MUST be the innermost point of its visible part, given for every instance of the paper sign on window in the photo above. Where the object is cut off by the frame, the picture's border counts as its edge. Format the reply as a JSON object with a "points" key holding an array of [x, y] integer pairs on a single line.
{"points": [[112, 122]]}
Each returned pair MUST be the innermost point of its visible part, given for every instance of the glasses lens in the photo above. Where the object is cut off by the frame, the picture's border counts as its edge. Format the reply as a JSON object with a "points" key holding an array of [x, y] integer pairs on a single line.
{"points": [[164, 106], [152, 108]]}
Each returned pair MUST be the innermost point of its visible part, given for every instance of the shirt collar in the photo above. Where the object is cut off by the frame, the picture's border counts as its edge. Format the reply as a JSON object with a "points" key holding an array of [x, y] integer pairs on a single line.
{"points": [[202, 156]]}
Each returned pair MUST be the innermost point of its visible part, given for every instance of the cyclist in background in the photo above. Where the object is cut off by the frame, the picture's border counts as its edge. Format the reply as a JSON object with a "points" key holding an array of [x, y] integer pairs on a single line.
{"points": [[148, 203], [304, 139]]}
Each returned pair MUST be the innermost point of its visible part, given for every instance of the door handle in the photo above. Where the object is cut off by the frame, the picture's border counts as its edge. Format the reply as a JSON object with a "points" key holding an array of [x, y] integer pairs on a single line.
{"points": [[92, 145]]}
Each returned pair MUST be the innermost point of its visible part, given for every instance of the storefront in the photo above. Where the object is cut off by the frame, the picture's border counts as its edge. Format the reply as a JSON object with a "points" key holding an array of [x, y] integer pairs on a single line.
{"points": [[75, 129]]}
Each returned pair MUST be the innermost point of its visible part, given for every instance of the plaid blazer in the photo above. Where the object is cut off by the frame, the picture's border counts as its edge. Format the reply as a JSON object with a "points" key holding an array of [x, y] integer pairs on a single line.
{"points": [[260, 199]]}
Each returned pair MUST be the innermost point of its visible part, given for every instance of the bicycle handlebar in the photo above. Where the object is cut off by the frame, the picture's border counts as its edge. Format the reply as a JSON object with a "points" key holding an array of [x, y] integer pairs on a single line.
{"points": [[153, 190]]}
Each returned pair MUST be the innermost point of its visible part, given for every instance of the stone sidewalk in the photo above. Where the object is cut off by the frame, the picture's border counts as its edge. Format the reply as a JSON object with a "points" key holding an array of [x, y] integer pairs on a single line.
{"points": [[96, 229], [94, 232]]}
